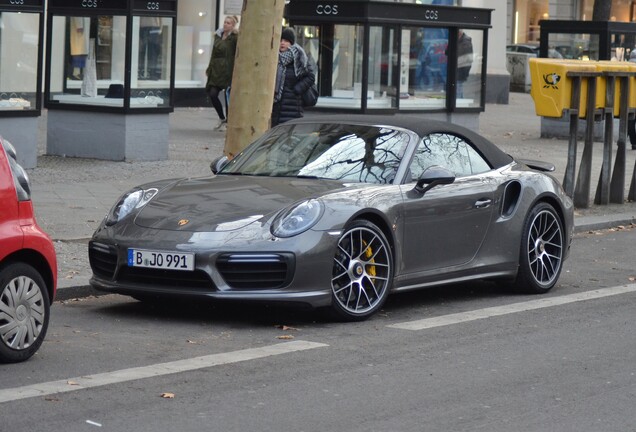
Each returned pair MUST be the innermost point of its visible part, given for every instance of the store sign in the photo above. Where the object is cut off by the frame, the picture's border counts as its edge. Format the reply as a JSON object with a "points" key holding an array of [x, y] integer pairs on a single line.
{"points": [[155, 6], [377, 12], [19, 3], [89, 4], [325, 10]]}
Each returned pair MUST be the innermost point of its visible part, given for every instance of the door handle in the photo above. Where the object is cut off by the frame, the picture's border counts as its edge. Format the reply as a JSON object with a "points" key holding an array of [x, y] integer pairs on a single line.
{"points": [[483, 203]]}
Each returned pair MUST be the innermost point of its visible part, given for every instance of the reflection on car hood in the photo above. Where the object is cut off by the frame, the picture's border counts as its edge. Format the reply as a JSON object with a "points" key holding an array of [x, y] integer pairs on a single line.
{"points": [[226, 203]]}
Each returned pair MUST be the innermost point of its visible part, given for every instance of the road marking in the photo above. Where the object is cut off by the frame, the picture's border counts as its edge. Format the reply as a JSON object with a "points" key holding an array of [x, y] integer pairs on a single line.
{"points": [[474, 315], [102, 379]]}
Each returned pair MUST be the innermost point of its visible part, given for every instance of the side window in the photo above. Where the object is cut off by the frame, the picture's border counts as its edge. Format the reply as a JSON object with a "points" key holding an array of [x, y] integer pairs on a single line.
{"points": [[448, 151]]}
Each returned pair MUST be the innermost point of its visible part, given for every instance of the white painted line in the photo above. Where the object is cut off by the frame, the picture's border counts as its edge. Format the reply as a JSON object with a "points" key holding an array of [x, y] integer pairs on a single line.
{"points": [[463, 317], [102, 379]]}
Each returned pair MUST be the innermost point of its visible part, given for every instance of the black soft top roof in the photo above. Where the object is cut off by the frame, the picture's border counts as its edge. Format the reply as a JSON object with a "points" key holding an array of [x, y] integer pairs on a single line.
{"points": [[420, 126]]}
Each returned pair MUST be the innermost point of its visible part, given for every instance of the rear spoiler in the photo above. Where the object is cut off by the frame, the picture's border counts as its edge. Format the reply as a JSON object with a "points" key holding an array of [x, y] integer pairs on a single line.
{"points": [[537, 165]]}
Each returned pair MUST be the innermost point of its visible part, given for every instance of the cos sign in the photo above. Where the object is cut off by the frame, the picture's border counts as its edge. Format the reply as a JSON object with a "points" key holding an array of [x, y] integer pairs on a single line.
{"points": [[327, 9]]}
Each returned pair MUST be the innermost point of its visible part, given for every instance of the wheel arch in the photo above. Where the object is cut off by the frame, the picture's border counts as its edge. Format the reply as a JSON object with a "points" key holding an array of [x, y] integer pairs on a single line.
{"points": [[556, 204], [38, 262], [384, 226]]}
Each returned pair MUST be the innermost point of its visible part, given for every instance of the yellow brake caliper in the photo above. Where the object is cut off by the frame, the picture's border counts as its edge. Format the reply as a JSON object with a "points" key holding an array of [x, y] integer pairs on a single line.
{"points": [[368, 254]]}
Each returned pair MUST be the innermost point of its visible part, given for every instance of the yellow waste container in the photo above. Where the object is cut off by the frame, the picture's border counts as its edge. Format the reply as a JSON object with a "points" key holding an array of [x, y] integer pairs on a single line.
{"points": [[551, 88], [601, 82], [632, 85]]}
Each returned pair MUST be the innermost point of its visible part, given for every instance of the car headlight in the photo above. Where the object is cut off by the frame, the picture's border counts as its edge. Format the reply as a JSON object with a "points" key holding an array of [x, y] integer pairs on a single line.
{"points": [[131, 200], [297, 219]]}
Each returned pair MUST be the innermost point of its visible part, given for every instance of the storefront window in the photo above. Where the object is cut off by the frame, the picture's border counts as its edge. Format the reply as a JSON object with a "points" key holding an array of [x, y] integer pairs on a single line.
{"points": [[424, 68], [575, 46], [470, 47], [19, 41], [87, 60], [527, 15], [341, 55], [382, 75], [621, 46], [622, 10], [153, 45], [308, 37], [195, 34]]}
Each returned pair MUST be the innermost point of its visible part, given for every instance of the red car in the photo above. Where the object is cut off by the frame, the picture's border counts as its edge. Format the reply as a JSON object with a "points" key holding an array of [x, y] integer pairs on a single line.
{"points": [[28, 265]]}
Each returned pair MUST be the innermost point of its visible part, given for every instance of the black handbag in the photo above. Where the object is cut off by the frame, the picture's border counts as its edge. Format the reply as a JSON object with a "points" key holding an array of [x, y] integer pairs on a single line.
{"points": [[310, 97]]}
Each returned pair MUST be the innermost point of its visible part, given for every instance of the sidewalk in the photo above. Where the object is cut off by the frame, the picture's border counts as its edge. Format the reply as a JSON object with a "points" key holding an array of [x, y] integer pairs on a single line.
{"points": [[72, 195]]}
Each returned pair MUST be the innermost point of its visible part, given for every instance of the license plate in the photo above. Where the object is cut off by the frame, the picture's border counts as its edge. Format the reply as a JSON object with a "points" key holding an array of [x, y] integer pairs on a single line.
{"points": [[160, 259]]}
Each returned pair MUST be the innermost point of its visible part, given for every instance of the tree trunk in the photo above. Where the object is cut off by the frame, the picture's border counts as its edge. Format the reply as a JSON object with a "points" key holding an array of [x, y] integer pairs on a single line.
{"points": [[254, 73], [602, 10]]}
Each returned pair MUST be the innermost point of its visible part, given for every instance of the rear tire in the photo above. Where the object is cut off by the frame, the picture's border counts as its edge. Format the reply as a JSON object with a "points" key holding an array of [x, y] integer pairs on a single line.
{"points": [[542, 249], [24, 312], [362, 272]]}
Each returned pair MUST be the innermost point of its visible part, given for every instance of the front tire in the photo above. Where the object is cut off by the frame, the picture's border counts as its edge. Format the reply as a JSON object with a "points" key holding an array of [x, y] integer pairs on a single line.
{"points": [[24, 312], [542, 249], [362, 272]]}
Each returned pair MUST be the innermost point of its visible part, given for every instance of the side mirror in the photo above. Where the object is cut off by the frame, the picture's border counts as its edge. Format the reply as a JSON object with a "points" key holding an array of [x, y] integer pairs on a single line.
{"points": [[433, 176], [218, 164]]}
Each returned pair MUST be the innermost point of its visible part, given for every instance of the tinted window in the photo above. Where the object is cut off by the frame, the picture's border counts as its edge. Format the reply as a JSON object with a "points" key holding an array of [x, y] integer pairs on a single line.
{"points": [[449, 151]]}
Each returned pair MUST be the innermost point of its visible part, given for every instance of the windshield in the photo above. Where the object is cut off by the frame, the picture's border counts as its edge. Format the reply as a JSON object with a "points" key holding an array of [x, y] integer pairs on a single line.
{"points": [[354, 153]]}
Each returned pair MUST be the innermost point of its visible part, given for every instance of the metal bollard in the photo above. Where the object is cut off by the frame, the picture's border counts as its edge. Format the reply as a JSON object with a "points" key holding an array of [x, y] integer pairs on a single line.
{"points": [[575, 101], [582, 189], [603, 187], [617, 186]]}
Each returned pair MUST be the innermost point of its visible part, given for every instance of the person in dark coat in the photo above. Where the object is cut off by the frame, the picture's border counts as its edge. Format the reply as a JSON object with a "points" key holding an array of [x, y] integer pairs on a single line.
{"points": [[294, 76], [221, 65]]}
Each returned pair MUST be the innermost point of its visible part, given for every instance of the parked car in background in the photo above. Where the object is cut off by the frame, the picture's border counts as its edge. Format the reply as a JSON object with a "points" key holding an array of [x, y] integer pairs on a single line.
{"points": [[523, 48], [28, 265]]}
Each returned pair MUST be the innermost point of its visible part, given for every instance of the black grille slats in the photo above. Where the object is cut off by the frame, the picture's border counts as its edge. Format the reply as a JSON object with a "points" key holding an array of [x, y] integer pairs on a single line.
{"points": [[256, 271], [103, 259]]}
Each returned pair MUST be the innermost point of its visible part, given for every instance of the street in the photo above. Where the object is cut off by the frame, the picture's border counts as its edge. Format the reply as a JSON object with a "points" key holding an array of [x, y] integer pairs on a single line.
{"points": [[456, 358]]}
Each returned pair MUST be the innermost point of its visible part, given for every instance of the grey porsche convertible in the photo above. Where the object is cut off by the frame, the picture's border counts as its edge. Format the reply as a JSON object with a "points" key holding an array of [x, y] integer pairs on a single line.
{"points": [[338, 213]]}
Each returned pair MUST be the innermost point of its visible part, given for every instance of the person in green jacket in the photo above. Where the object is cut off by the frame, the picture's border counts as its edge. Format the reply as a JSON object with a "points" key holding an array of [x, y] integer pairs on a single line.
{"points": [[221, 65]]}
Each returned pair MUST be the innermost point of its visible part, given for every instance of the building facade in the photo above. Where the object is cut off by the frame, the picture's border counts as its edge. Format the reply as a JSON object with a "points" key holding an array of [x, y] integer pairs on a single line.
{"points": [[523, 16]]}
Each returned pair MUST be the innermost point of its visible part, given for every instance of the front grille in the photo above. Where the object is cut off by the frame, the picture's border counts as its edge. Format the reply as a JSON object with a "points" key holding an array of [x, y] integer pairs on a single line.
{"points": [[103, 259], [256, 271], [194, 280]]}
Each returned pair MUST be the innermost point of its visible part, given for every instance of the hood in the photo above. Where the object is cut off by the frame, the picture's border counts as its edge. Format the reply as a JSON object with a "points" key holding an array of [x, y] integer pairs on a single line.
{"points": [[226, 203]]}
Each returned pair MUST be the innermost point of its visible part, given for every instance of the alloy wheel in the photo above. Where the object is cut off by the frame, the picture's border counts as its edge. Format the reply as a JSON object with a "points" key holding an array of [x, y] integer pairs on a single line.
{"points": [[545, 247], [361, 271]]}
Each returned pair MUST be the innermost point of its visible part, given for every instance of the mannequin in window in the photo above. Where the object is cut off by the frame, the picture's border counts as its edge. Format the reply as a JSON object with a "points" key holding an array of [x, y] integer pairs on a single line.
{"points": [[149, 48], [79, 45]]}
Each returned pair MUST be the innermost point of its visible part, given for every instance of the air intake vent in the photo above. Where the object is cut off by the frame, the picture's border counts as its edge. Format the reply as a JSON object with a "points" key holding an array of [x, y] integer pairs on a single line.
{"points": [[103, 259], [196, 280], [256, 271]]}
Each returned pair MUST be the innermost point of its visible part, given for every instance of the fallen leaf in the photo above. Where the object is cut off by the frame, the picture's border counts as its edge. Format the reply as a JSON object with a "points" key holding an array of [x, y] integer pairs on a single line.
{"points": [[632, 279], [192, 342], [69, 382], [51, 399], [286, 328], [167, 395], [285, 337]]}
